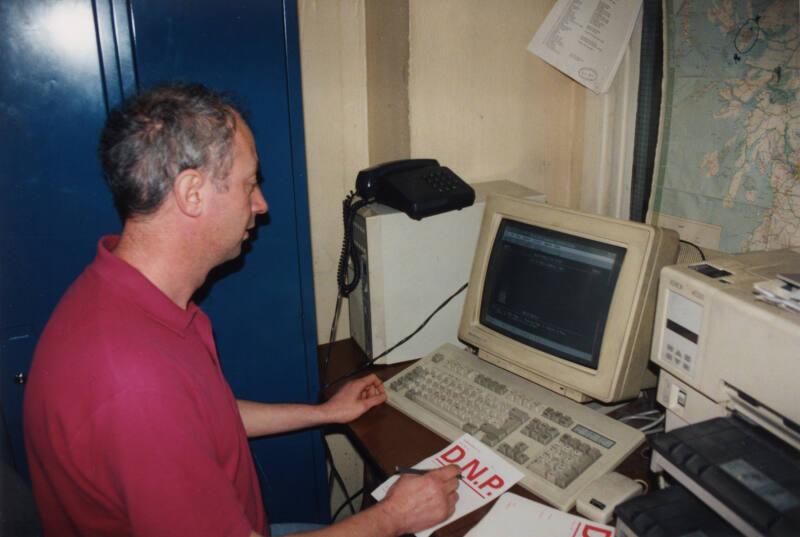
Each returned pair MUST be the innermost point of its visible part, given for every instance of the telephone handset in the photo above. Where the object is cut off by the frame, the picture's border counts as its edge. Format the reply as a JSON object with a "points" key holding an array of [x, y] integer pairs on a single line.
{"points": [[417, 187]]}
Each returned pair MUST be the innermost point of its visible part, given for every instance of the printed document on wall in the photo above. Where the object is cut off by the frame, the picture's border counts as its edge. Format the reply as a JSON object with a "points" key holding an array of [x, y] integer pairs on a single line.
{"points": [[484, 476], [586, 39]]}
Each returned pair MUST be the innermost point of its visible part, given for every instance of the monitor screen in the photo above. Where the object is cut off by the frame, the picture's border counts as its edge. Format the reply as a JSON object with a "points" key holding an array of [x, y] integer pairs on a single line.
{"points": [[550, 290], [564, 298]]}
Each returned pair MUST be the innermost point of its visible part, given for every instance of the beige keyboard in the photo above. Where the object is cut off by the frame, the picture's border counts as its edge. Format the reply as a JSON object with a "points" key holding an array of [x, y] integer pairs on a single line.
{"points": [[560, 445]]}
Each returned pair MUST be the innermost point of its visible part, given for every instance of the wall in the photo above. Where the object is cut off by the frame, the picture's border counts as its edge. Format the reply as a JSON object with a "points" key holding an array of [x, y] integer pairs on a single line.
{"points": [[387, 79], [334, 71], [485, 106], [460, 87]]}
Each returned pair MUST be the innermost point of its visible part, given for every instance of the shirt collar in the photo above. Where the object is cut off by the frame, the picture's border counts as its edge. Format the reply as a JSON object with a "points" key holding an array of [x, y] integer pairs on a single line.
{"points": [[133, 286]]}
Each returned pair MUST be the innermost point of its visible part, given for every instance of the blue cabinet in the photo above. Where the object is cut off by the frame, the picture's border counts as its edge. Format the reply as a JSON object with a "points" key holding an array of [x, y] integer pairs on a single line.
{"points": [[62, 65]]}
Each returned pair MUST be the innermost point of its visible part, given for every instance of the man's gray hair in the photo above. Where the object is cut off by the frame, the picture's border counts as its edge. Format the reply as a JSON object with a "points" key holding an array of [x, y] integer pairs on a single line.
{"points": [[158, 134]]}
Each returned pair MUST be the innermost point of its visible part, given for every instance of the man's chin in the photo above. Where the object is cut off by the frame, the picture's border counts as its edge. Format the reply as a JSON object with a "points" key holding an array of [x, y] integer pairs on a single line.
{"points": [[233, 253]]}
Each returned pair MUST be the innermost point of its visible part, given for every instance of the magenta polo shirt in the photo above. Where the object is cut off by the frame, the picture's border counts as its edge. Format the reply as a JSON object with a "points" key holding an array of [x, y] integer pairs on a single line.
{"points": [[130, 427]]}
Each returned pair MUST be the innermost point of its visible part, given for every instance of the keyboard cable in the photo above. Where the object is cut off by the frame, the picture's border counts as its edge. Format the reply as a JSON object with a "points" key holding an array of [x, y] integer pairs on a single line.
{"points": [[369, 362]]}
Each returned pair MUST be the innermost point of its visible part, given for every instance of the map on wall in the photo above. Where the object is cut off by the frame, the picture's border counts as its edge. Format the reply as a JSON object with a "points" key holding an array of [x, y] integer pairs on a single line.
{"points": [[728, 170]]}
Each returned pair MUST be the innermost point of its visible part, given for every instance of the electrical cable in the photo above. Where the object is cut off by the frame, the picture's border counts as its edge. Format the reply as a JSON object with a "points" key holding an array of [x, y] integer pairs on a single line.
{"points": [[700, 251], [393, 347], [347, 501], [646, 414], [334, 325], [350, 207], [349, 210], [654, 427], [653, 421], [334, 475]]}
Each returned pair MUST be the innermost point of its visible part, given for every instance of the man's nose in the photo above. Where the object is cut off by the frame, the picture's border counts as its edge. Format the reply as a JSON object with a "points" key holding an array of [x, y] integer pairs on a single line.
{"points": [[260, 205]]}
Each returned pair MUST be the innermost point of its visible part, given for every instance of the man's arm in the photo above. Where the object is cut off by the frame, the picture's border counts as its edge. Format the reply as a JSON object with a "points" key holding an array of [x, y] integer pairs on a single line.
{"points": [[413, 503], [355, 398]]}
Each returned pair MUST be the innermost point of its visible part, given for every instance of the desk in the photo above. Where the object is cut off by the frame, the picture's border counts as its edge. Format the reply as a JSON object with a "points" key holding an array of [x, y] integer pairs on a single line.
{"points": [[386, 437]]}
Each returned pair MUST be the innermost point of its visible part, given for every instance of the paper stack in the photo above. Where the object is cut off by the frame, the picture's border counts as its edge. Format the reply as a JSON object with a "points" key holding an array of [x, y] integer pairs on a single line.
{"points": [[784, 291], [515, 516]]}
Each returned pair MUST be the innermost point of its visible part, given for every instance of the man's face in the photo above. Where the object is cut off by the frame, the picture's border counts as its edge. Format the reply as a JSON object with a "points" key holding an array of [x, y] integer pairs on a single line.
{"points": [[234, 207]]}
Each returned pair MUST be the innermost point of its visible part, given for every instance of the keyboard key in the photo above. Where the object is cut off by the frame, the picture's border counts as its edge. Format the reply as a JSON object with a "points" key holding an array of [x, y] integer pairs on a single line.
{"points": [[556, 416], [564, 460]]}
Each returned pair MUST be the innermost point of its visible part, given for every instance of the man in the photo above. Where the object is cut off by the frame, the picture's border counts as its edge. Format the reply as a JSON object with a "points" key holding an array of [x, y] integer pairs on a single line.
{"points": [[130, 427]]}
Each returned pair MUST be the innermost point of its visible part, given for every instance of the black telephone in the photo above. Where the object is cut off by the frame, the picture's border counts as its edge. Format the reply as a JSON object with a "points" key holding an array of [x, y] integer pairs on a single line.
{"points": [[417, 187]]}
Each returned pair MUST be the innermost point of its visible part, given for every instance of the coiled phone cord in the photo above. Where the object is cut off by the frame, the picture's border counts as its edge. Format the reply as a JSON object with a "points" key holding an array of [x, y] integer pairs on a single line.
{"points": [[349, 210]]}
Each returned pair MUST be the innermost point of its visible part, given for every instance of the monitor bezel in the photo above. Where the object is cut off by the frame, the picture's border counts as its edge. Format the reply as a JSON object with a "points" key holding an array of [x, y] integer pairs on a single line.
{"points": [[614, 253], [563, 376]]}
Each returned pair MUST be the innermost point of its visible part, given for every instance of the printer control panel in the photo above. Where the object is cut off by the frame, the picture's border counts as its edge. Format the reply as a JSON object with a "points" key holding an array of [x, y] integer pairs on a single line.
{"points": [[679, 345]]}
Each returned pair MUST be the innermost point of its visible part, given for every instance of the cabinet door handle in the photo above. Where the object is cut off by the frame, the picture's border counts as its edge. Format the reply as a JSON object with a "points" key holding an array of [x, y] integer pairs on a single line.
{"points": [[20, 378]]}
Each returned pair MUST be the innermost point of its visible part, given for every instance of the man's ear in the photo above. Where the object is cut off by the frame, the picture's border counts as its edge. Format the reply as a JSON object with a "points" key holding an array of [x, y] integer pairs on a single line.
{"points": [[188, 191]]}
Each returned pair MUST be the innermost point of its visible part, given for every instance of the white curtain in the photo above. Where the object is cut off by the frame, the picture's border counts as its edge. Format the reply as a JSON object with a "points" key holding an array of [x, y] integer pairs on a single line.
{"points": [[609, 128]]}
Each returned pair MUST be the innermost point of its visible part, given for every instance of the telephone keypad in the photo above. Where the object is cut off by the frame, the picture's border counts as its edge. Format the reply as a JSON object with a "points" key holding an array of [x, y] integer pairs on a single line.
{"points": [[442, 181]]}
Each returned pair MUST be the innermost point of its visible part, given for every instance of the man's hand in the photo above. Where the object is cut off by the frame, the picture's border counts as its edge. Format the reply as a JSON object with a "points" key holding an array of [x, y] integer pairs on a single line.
{"points": [[355, 398], [416, 503]]}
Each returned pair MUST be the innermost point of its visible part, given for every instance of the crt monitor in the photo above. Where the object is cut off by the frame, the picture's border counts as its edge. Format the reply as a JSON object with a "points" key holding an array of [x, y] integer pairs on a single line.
{"points": [[566, 299]]}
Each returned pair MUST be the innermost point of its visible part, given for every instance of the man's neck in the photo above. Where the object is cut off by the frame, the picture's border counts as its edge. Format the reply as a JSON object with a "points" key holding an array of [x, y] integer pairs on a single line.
{"points": [[166, 264]]}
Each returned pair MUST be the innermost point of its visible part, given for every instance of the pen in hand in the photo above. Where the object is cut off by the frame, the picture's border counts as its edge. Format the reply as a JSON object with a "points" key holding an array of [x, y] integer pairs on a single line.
{"points": [[414, 471]]}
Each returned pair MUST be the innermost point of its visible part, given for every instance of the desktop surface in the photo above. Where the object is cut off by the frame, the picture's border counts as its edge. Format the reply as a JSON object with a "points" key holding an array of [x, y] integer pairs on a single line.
{"points": [[387, 438]]}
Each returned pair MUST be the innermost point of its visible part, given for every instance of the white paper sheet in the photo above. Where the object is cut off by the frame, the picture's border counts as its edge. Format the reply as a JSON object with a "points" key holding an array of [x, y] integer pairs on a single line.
{"points": [[485, 476], [515, 516], [778, 292], [586, 39]]}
